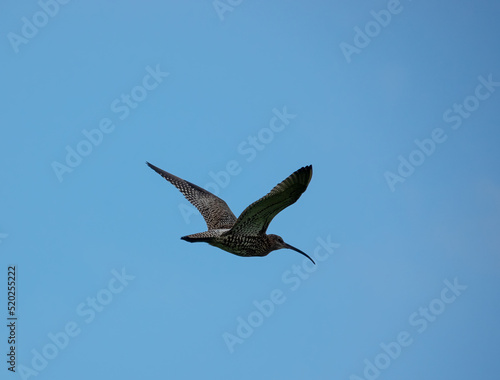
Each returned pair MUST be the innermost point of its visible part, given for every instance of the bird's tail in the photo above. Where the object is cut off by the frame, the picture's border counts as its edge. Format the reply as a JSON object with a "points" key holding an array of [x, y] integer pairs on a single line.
{"points": [[197, 238], [191, 239]]}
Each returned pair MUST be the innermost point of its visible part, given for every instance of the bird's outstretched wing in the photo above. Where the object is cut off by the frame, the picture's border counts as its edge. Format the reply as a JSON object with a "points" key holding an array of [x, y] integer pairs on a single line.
{"points": [[214, 210], [255, 219]]}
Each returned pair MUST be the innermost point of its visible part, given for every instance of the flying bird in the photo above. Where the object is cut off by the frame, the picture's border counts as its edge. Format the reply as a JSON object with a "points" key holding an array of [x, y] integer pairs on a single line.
{"points": [[244, 236]]}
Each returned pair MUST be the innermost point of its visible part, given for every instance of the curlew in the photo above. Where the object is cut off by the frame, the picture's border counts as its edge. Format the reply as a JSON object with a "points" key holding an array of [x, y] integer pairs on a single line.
{"points": [[244, 236]]}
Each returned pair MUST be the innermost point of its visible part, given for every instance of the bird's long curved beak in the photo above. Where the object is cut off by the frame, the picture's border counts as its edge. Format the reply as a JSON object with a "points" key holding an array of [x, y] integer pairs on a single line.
{"points": [[299, 251]]}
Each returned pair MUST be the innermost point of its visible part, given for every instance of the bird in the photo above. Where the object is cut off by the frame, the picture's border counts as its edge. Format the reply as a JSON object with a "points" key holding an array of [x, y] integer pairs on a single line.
{"points": [[246, 235]]}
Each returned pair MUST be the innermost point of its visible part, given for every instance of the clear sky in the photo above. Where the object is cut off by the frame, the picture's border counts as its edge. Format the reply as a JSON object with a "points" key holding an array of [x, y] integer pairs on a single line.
{"points": [[396, 106]]}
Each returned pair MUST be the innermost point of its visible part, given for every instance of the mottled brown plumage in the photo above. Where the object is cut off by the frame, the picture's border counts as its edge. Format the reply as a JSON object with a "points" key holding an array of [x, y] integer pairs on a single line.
{"points": [[245, 236]]}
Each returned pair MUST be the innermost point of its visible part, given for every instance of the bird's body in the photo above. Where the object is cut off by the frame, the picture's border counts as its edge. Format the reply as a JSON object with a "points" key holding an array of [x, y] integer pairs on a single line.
{"points": [[241, 245], [246, 235]]}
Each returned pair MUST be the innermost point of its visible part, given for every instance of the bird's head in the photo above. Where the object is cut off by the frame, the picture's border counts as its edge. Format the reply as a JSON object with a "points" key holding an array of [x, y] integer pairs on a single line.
{"points": [[278, 243]]}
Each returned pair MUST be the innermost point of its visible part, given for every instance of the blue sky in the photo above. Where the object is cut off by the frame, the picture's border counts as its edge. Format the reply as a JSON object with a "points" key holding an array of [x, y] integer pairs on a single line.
{"points": [[395, 104]]}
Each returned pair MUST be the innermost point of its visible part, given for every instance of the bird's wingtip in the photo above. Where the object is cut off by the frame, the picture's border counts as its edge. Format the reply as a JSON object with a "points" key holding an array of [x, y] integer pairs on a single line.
{"points": [[152, 166], [308, 170]]}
